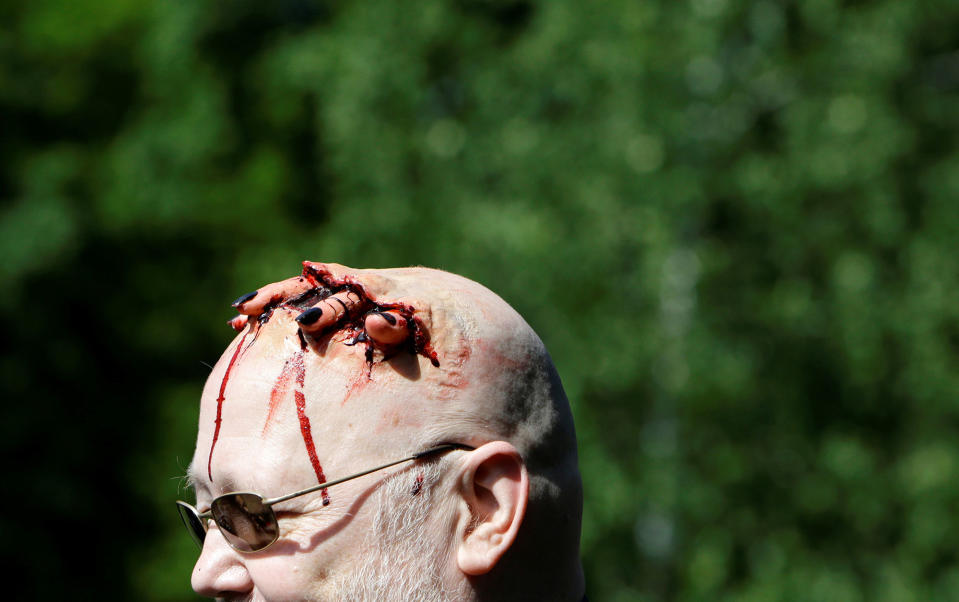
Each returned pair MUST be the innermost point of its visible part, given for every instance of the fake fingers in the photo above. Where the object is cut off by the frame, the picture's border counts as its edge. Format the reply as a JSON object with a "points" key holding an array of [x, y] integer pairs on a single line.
{"points": [[330, 311], [386, 328], [253, 304], [239, 322], [318, 312]]}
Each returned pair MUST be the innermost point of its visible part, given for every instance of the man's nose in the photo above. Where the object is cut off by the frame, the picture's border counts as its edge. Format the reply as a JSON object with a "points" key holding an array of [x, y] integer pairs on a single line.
{"points": [[220, 571]]}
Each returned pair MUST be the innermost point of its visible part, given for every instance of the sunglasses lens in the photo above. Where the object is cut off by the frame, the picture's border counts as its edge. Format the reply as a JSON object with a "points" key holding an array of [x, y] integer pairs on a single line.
{"points": [[192, 521], [246, 523]]}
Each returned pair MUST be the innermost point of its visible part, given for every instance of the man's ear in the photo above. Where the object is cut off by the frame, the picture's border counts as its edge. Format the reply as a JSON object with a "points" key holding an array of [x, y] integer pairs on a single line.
{"points": [[494, 486]]}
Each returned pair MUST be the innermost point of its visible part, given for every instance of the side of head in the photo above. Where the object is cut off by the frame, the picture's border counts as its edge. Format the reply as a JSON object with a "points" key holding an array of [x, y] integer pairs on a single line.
{"points": [[511, 404], [287, 407]]}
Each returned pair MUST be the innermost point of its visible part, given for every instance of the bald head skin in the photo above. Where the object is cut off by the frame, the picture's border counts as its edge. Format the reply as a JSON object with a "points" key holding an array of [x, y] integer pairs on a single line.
{"points": [[340, 370]]}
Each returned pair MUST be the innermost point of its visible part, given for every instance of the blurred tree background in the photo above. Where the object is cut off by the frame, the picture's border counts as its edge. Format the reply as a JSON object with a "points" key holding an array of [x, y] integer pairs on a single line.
{"points": [[733, 222]]}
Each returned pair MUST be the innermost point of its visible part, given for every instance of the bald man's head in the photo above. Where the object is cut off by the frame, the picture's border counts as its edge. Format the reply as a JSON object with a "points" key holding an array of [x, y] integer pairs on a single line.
{"points": [[338, 370]]}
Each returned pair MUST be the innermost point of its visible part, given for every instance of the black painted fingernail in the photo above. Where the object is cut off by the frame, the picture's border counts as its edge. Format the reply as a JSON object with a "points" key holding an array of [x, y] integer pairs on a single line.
{"points": [[309, 316], [244, 298], [388, 317]]}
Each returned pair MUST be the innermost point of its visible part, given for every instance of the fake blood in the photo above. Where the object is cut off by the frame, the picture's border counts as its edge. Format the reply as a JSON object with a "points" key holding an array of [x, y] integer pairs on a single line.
{"points": [[219, 403], [323, 286], [280, 388], [299, 369]]}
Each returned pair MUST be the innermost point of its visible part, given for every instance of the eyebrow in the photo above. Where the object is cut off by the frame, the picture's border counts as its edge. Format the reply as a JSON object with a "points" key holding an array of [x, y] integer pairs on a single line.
{"points": [[194, 481]]}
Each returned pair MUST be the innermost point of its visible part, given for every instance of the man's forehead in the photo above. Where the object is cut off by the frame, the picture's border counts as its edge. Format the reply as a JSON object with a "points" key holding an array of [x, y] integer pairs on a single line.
{"points": [[274, 386], [290, 419], [334, 374], [253, 463]]}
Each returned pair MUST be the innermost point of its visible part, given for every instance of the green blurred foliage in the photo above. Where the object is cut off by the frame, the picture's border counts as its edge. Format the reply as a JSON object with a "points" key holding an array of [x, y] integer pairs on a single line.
{"points": [[732, 222]]}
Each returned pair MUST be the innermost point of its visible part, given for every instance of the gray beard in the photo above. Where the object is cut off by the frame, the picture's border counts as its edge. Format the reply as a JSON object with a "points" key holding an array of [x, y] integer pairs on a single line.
{"points": [[404, 558]]}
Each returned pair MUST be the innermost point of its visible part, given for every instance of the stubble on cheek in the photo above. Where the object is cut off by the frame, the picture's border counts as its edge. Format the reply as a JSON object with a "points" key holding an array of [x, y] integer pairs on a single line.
{"points": [[406, 555]]}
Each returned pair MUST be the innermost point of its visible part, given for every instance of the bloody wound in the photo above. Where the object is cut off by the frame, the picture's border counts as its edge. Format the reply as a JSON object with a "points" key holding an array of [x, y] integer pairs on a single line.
{"points": [[300, 369]]}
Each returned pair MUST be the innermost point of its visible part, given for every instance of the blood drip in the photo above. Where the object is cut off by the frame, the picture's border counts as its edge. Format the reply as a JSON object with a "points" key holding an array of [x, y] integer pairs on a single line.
{"points": [[280, 388], [422, 344], [299, 368], [219, 403]]}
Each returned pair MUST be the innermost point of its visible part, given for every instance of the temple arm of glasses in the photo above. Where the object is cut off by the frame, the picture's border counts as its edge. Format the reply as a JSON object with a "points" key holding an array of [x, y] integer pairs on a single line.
{"points": [[417, 456]]}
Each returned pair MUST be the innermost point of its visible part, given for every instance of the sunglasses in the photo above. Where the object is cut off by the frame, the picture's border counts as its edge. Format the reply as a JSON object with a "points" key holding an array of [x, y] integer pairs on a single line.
{"points": [[247, 520]]}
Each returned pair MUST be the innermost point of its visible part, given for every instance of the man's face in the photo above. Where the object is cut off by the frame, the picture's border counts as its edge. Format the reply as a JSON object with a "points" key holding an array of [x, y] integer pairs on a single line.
{"points": [[289, 419]]}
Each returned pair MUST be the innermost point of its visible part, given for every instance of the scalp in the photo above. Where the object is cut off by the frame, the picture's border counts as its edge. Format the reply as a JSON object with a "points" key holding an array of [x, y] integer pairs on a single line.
{"points": [[491, 378]]}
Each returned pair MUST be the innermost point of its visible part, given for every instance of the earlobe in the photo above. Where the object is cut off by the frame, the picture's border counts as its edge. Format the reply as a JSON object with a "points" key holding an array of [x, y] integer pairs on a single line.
{"points": [[494, 485]]}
